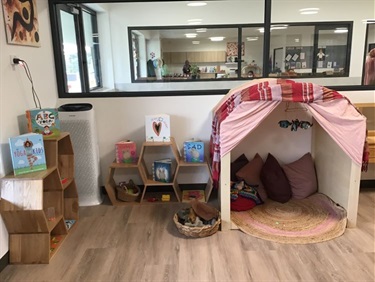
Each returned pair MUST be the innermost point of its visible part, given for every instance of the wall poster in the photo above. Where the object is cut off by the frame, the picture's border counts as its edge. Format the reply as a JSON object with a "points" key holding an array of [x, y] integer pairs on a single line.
{"points": [[21, 22]]}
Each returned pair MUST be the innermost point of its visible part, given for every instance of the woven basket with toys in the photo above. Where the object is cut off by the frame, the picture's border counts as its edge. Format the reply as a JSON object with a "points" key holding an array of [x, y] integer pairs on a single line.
{"points": [[127, 192], [199, 220]]}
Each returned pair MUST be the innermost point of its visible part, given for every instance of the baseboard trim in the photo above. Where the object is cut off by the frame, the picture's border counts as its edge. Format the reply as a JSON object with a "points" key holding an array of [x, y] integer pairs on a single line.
{"points": [[4, 261], [370, 183]]}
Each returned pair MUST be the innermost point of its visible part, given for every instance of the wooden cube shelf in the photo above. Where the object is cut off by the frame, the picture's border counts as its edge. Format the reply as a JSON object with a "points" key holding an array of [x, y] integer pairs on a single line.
{"points": [[153, 189], [34, 206]]}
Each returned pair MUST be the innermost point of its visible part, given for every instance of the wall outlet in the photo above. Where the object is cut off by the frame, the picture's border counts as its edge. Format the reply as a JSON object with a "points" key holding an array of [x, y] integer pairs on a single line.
{"points": [[11, 59]]}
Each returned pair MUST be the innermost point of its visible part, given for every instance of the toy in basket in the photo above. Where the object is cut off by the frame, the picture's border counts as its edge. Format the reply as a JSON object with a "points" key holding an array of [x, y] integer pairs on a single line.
{"points": [[127, 192], [200, 220]]}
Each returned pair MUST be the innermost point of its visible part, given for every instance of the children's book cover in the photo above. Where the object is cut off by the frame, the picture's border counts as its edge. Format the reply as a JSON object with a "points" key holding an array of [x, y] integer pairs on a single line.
{"points": [[158, 128], [162, 170], [194, 151], [126, 152], [188, 195], [43, 121], [27, 152]]}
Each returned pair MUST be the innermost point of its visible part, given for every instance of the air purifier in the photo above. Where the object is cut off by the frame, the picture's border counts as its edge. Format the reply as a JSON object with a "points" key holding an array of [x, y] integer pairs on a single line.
{"points": [[79, 121]]}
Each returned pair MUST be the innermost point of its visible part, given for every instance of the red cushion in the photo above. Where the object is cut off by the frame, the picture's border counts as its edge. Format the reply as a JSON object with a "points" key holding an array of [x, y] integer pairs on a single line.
{"points": [[242, 204]]}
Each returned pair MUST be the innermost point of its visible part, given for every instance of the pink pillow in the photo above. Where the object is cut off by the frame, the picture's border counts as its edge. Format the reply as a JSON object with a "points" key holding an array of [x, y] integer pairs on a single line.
{"points": [[251, 174], [302, 177]]}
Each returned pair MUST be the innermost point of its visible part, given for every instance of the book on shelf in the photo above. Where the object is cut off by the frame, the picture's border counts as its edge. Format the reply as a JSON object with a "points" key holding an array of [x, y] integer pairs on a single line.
{"points": [[188, 195], [27, 153], [194, 151], [43, 121], [158, 128], [162, 170], [126, 152]]}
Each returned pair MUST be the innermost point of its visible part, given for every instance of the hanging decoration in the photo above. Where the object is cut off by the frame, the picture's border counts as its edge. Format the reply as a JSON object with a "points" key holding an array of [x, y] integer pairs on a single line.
{"points": [[295, 124]]}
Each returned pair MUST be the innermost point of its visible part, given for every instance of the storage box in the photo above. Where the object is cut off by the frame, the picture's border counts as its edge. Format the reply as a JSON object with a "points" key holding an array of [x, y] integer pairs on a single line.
{"points": [[126, 152], [194, 151], [158, 128]]}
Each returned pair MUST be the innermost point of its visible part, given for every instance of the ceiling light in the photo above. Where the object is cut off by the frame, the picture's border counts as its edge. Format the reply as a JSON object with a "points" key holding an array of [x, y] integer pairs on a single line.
{"points": [[217, 38], [195, 42], [252, 38], [308, 11], [341, 30], [197, 4], [195, 20], [296, 40], [279, 26], [191, 35], [201, 30], [261, 30]]}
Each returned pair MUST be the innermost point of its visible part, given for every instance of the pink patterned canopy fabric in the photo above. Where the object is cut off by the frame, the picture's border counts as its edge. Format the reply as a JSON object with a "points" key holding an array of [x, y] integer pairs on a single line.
{"points": [[243, 108]]}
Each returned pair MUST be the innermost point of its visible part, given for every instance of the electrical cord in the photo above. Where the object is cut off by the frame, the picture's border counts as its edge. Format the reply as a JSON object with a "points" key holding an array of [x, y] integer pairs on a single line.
{"points": [[25, 66]]}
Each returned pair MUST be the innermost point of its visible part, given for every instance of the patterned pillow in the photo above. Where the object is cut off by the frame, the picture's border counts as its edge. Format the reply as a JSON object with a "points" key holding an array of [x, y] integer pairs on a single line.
{"points": [[250, 192]]}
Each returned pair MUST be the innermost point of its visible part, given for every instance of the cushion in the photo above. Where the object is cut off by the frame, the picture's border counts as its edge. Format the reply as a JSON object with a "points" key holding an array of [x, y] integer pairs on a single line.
{"points": [[242, 204], [237, 165], [251, 174], [302, 177], [275, 181]]}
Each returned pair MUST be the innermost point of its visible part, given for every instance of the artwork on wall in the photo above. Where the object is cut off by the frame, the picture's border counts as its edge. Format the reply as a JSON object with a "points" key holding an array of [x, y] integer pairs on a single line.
{"points": [[232, 49], [21, 22]]}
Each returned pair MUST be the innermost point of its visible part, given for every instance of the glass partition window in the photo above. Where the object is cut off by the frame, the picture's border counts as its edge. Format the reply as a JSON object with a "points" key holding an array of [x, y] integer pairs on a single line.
{"points": [[369, 61], [310, 51], [199, 53], [144, 44]]}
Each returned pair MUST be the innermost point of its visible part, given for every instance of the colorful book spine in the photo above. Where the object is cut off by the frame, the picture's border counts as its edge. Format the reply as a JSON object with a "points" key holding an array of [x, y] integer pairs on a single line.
{"points": [[162, 170], [193, 151], [27, 153], [43, 121], [126, 152]]}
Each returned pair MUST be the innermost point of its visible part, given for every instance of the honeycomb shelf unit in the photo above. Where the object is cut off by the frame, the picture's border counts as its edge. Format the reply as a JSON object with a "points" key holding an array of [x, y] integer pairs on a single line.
{"points": [[151, 187], [35, 206]]}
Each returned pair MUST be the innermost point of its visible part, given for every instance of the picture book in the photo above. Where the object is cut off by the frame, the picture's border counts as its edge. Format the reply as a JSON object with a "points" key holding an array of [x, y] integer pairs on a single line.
{"points": [[126, 152], [27, 152], [194, 151], [158, 128], [188, 195], [162, 170], [43, 121]]}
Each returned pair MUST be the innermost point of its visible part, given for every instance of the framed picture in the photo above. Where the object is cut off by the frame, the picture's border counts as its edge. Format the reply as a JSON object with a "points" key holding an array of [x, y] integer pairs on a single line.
{"points": [[232, 49], [21, 22], [371, 46]]}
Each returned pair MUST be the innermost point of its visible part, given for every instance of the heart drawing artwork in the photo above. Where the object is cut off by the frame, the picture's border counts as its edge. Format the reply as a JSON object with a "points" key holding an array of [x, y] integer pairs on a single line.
{"points": [[156, 126]]}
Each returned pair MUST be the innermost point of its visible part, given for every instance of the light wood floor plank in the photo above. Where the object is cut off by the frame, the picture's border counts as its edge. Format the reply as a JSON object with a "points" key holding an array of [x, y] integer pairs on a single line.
{"points": [[141, 243]]}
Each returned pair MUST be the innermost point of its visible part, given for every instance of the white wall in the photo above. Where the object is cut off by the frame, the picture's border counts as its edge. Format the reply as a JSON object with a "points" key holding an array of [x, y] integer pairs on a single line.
{"points": [[15, 91], [117, 118]]}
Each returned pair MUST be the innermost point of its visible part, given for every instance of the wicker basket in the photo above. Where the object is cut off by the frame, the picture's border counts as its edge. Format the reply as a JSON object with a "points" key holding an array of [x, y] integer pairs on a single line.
{"points": [[123, 191], [197, 232]]}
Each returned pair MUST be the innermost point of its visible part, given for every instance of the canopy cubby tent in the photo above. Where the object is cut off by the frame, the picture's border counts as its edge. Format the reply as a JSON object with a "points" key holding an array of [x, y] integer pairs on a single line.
{"points": [[337, 143]]}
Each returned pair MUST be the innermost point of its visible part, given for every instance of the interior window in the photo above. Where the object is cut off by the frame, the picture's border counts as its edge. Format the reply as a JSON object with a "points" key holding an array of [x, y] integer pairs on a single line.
{"points": [[79, 43]]}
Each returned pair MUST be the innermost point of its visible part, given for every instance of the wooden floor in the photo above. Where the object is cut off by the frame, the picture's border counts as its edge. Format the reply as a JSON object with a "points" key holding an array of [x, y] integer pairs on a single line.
{"points": [[141, 243]]}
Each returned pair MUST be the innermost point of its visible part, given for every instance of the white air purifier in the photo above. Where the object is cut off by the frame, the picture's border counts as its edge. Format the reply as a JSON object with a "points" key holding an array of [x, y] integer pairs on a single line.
{"points": [[79, 121]]}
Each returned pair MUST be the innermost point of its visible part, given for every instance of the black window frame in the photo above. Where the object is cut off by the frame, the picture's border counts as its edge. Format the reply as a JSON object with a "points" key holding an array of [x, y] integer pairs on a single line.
{"points": [[266, 51], [80, 38]]}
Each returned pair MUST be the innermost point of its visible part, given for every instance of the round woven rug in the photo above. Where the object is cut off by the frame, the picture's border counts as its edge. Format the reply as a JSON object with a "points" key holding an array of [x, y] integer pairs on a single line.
{"points": [[311, 220]]}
